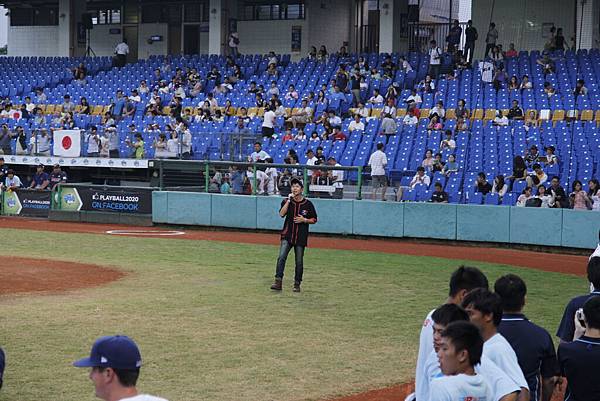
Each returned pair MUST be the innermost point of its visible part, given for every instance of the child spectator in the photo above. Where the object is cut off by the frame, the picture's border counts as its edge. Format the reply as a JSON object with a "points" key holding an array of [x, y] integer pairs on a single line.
{"points": [[439, 196]]}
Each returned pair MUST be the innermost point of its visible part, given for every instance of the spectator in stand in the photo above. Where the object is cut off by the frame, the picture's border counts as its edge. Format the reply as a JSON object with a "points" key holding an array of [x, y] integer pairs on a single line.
{"points": [[322, 55], [389, 107], [40, 96], [362, 111], [485, 312], [439, 196], [268, 125], [499, 78], [334, 120], [453, 37], [500, 187], [40, 179], [427, 85], [471, 36], [532, 155], [419, 178], [427, 162], [501, 120], [237, 179], [84, 107], [241, 128], [414, 98], [233, 43], [21, 141], [524, 197], [338, 135], [559, 40], [121, 52], [515, 112], [12, 181], [388, 125], [378, 163], [435, 59], [291, 94], [549, 89], [538, 177], [376, 99], [461, 125], [513, 84], [547, 63], [118, 104], [546, 199], [580, 88], [438, 164], [67, 106], [525, 83], [579, 359], [461, 110], [578, 198], [259, 154], [161, 146], [448, 143], [481, 184], [511, 52], [137, 145], [532, 344], [356, 124], [530, 120], [404, 65], [558, 193], [451, 166], [93, 142], [434, 124], [551, 158], [300, 136], [438, 109], [519, 172], [287, 136], [410, 118], [594, 193], [57, 177], [490, 39]]}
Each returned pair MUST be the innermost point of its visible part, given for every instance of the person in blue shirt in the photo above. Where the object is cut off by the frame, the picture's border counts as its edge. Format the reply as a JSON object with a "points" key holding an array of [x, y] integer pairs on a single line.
{"points": [[40, 180], [118, 104], [579, 359], [237, 180], [532, 344], [566, 329]]}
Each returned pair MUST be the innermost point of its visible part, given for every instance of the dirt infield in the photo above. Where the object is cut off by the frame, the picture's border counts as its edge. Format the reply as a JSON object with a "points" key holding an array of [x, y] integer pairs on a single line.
{"points": [[26, 275]]}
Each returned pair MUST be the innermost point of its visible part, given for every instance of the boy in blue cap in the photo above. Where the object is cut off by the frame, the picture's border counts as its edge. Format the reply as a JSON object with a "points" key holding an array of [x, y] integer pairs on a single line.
{"points": [[115, 363]]}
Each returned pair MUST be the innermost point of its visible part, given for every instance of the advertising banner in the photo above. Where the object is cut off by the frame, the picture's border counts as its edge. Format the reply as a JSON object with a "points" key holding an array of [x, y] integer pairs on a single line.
{"points": [[27, 203], [107, 199]]}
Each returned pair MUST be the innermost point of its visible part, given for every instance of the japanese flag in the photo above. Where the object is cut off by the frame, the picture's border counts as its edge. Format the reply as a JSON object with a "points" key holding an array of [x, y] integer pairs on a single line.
{"points": [[67, 143]]}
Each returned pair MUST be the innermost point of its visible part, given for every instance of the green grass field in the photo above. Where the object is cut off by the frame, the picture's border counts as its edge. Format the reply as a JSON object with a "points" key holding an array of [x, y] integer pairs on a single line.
{"points": [[210, 329]]}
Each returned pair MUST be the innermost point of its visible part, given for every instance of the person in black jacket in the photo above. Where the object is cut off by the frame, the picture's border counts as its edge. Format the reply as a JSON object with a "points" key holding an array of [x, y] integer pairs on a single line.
{"points": [[471, 37], [560, 197]]}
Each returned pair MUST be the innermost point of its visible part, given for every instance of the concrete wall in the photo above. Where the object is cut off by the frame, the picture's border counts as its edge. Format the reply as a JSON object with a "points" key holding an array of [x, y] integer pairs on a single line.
{"points": [[532, 226], [33, 40], [520, 21], [102, 42], [260, 37], [145, 49], [329, 26]]}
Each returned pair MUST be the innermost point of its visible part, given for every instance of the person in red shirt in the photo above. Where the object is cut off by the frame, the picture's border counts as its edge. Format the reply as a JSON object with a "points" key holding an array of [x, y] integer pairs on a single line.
{"points": [[338, 135], [288, 136], [299, 213]]}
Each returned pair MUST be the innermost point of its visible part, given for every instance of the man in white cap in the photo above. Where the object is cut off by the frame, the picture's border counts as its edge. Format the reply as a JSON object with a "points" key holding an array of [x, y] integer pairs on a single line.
{"points": [[115, 363]]}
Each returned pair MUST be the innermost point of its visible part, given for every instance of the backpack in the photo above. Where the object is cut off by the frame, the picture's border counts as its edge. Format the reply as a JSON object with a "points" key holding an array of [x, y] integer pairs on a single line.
{"points": [[533, 202]]}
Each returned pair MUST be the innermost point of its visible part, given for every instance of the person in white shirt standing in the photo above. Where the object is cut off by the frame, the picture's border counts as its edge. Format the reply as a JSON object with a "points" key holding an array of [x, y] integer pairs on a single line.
{"points": [[435, 59], [268, 125], [115, 363], [485, 311], [460, 351], [378, 162], [121, 52]]}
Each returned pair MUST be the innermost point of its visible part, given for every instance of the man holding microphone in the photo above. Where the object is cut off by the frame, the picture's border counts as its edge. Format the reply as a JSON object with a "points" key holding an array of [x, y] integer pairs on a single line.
{"points": [[299, 212]]}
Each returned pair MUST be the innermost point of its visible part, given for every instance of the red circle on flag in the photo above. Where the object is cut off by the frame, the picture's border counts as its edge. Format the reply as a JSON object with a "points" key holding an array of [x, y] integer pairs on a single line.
{"points": [[67, 142]]}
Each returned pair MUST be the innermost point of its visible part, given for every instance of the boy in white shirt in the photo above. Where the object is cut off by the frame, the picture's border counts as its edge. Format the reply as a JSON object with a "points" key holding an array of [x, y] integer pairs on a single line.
{"points": [[376, 98], [463, 280], [460, 351], [485, 311], [356, 124]]}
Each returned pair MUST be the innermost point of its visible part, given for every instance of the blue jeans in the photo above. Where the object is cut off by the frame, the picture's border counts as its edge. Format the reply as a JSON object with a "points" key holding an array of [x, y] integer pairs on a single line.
{"points": [[284, 250]]}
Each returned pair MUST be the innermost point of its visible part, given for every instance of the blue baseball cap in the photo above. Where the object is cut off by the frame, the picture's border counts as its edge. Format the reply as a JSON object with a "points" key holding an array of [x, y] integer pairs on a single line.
{"points": [[118, 352]]}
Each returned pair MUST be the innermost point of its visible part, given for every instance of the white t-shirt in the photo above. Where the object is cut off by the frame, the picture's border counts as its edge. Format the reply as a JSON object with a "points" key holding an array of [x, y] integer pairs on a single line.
{"points": [[272, 173], [410, 120], [376, 99], [502, 121], [122, 48], [421, 180], [406, 66], [459, 388], [269, 119], [311, 162], [340, 177], [378, 161], [499, 351], [356, 126], [499, 383], [435, 56], [262, 155], [425, 349], [416, 98], [143, 397]]}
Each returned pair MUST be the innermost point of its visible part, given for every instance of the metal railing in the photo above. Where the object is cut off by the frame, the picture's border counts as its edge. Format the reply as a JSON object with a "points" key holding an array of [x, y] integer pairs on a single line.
{"points": [[201, 171]]}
